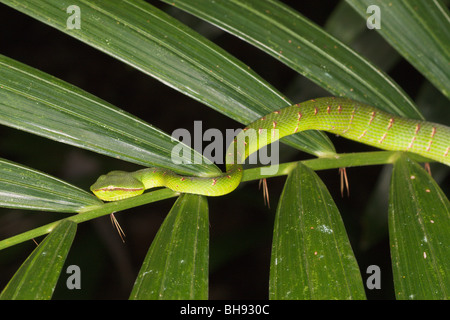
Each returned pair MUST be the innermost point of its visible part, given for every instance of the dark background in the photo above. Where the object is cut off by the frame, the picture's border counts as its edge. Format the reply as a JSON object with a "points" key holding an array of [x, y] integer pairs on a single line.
{"points": [[240, 223]]}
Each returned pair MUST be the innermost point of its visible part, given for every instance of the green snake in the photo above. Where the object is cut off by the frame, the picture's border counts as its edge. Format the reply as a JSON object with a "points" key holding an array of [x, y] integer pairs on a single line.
{"points": [[341, 116]]}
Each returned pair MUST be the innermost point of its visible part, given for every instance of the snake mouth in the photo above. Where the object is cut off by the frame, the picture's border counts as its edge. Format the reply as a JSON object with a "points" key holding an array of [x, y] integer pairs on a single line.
{"points": [[114, 188]]}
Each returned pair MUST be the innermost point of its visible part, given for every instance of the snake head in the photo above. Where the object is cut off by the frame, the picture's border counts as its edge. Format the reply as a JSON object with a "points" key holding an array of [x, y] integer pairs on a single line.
{"points": [[117, 185]]}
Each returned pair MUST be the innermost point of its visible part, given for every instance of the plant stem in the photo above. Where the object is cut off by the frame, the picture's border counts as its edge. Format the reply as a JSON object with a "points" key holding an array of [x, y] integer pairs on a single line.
{"points": [[343, 160], [89, 213]]}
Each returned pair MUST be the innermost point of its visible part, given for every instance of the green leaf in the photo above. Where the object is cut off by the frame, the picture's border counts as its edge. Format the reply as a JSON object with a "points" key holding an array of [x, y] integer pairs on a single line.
{"points": [[419, 221], [176, 265], [346, 24], [151, 41], [305, 47], [37, 277], [420, 31], [25, 188], [36, 102], [311, 254]]}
